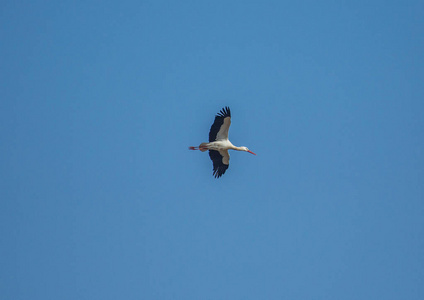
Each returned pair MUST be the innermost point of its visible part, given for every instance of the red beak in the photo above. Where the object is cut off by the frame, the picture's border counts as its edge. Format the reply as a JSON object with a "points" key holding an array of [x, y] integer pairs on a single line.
{"points": [[251, 152]]}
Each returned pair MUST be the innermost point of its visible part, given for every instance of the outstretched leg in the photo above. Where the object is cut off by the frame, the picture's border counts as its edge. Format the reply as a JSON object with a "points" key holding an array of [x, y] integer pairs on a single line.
{"points": [[203, 147]]}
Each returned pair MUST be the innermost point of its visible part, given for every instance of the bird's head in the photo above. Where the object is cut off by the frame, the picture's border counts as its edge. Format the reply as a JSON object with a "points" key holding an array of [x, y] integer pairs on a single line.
{"points": [[247, 150]]}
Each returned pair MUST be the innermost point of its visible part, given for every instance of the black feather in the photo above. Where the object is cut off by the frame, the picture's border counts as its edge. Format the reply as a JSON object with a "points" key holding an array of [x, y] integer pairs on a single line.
{"points": [[219, 167], [219, 120]]}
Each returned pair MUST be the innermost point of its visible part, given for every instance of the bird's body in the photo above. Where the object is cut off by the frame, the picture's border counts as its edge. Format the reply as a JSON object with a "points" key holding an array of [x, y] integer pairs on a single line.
{"points": [[219, 143]]}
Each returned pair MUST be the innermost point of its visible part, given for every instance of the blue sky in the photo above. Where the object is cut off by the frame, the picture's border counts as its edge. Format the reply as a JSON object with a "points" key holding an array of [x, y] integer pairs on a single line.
{"points": [[101, 199]]}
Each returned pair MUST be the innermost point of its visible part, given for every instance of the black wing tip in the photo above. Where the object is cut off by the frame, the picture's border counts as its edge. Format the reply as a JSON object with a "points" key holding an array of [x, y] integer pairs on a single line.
{"points": [[224, 112], [219, 172], [217, 175]]}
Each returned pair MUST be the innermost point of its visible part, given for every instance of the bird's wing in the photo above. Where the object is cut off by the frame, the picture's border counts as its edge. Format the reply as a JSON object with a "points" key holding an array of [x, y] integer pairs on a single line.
{"points": [[221, 125], [220, 160]]}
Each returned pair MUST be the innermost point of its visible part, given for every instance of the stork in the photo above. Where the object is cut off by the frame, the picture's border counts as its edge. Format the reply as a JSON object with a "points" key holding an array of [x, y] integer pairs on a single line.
{"points": [[219, 144]]}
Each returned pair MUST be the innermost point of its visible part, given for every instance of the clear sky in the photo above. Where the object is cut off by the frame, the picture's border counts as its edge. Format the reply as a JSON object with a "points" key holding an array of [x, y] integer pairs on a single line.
{"points": [[101, 199]]}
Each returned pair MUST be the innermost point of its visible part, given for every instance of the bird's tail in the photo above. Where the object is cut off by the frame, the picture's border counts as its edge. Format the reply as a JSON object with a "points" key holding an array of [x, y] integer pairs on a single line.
{"points": [[203, 147]]}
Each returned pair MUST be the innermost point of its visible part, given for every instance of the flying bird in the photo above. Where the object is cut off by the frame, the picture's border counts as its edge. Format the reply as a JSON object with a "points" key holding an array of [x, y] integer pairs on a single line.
{"points": [[219, 144]]}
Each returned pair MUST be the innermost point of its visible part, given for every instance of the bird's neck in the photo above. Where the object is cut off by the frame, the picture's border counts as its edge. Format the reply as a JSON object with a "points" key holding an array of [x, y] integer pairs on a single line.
{"points": [[231, 146]]}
